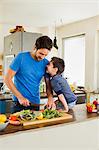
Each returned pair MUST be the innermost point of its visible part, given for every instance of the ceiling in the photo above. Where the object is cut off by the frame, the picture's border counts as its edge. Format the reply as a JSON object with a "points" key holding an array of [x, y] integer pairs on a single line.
{"points": [[40, 13]]}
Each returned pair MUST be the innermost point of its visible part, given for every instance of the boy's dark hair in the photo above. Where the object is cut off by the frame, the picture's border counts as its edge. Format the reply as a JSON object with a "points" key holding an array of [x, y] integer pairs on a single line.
{"points": [[43, 42], [58, 63]]}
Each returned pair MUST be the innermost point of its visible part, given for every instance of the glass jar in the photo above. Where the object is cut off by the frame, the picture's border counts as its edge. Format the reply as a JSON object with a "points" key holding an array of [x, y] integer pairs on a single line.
{"points": [[92, 101]]}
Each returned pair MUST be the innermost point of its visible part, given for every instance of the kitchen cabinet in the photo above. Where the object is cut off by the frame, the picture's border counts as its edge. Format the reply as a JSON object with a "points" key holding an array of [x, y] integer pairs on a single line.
{"points": [[19, 41], [5, 103], [15, 43]]}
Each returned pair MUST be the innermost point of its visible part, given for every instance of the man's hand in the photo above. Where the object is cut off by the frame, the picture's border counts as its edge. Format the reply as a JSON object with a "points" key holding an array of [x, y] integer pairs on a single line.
{"points": [[51, 104], [23, 101]]}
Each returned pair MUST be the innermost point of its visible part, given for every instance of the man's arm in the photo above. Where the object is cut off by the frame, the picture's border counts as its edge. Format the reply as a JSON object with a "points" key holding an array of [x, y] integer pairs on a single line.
{"points": [[49, 92], [62, 99], [8, 80]]}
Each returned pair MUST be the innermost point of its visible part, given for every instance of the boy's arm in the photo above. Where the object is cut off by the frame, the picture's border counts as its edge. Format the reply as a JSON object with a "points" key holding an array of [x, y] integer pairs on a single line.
{"points": [[50, 103], [62, 99]]}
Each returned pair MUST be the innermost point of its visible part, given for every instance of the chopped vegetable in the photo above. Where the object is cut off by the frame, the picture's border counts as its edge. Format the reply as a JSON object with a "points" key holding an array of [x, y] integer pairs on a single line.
{"points": [[48, 113], [27, 115], [14, 118]]}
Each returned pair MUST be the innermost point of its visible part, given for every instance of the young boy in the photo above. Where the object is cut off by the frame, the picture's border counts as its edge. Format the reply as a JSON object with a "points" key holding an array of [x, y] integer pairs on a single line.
{"points": [[66, 98]]}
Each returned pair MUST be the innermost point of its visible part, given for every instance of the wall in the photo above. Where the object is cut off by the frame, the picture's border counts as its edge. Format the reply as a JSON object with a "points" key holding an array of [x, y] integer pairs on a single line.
{"points": [[50, 31], [90, 27]]}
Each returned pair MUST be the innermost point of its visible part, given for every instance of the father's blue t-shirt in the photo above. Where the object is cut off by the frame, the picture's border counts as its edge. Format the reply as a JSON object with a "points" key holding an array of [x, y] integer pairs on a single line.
{"points": [[29, 73]]}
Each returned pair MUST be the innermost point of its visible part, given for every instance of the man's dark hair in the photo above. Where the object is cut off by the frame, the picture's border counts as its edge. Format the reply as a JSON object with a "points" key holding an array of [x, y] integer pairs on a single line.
{"points": [[58, 63], [43, 42]]}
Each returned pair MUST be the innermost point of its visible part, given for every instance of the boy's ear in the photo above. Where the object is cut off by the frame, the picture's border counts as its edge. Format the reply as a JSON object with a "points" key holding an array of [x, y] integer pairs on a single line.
{"points": [[56, 69]]}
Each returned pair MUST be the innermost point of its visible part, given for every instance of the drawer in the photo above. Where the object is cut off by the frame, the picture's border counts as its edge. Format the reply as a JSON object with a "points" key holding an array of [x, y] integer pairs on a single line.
{"points": [[5, 106]]}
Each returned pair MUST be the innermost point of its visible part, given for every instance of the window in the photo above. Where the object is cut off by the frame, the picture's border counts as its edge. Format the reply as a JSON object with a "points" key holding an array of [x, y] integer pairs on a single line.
{"points": [[74, 56]]}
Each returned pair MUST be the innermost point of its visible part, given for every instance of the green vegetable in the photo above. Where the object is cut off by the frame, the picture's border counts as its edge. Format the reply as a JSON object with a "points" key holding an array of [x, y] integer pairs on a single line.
{"points": [[48, 113]]}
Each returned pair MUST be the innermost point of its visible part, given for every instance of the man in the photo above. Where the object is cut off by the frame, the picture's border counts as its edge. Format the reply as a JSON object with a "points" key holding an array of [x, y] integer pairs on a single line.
{"points": [[28, 68]]}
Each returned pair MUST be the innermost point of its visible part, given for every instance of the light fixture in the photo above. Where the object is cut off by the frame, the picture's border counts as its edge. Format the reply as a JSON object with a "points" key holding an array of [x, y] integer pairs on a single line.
{"points": [[55, 39]]}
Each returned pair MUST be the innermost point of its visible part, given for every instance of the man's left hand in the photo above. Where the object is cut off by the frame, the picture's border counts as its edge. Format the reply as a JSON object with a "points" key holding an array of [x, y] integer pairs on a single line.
{"points": [[51, 104]]}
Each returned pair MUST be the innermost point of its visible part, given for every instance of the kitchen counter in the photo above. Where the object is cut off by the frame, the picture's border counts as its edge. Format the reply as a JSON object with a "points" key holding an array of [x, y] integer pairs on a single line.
{"points": [[42, 95], [5, 97], [79, 115], [9, 96], [6, 100]]}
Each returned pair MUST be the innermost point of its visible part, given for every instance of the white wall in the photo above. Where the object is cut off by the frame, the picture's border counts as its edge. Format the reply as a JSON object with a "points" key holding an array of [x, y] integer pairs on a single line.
{"points": [[90, 27], [50, 31]]}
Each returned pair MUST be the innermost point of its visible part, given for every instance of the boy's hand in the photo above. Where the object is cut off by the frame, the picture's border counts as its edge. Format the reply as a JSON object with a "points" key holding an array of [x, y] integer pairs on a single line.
{"points": [[65, 110]]}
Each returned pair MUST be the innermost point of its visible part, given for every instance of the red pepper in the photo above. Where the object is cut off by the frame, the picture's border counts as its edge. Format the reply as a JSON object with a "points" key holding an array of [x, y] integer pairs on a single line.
{"points": [[42, 110], [89, 109], [95, 103], [14, 118]]}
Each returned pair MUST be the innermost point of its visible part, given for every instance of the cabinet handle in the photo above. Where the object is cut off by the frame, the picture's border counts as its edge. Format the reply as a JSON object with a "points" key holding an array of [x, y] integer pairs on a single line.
{"points": [[11, 47]]}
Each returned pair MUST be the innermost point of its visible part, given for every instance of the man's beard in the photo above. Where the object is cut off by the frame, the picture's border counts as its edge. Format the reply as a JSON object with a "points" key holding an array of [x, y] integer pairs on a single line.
{"points": [[38, 58]]}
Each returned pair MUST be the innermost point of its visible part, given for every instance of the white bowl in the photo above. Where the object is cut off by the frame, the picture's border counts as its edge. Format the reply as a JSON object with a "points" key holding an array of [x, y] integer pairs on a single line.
{"points": [[3, 125]]}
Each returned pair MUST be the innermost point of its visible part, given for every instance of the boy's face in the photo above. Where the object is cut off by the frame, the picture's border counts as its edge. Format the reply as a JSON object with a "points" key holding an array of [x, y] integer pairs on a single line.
{"points": [[51, 70]]}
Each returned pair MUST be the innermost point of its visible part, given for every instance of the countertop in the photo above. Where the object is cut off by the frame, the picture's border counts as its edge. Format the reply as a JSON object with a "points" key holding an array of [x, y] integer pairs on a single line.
{"points": [[5, 97], [79, 115], [8, 96]]}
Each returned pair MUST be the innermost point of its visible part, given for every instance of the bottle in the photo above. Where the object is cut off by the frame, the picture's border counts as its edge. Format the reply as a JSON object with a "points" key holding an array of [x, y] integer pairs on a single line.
{"points": [[41, 87], [44, 87], [96, 92]]}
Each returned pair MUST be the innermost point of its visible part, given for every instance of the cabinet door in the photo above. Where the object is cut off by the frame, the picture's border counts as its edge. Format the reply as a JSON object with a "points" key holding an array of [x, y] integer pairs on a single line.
{"points": [[28, 40], [12, 43]]}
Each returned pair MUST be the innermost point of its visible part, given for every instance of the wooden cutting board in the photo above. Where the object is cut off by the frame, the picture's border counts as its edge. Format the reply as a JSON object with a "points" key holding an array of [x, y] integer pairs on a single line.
{"points": [[65, 118]]}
